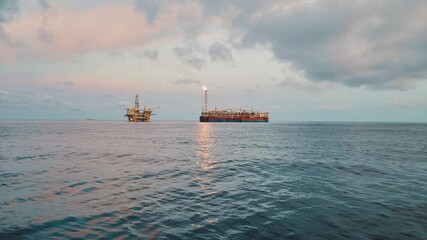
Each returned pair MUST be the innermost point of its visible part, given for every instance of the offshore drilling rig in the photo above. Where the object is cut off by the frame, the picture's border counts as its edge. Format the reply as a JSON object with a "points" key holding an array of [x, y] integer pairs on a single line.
{"points": [[138, 115]]}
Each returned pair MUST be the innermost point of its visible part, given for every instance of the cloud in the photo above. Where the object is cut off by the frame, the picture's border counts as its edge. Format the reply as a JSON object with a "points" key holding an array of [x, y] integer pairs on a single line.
{"points": [[37, 99], [197, 63], [155, 10], [186, 81], [45, 35], [183, 52], [84, 34], [379, 45], [8, 8], [150, 8], [150, 54], [192, 55], [297, 79], [357, 43], [67, 83], [336, 107], [299, 84], [115, 53], [44, 5], [8, 98], [220, 52], [410, 103]]}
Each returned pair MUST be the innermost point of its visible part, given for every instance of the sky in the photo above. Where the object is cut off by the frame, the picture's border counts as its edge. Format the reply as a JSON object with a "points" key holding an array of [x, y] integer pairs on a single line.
{"points": [[300, 60]]}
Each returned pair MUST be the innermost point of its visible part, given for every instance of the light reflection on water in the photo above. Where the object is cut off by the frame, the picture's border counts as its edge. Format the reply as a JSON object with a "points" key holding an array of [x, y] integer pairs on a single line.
{"points": [[205, 141], [206, 162]]}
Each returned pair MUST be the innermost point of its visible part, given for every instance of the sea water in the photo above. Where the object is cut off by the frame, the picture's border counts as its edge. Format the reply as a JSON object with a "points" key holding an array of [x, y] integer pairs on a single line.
{"points": [[190, 180]]}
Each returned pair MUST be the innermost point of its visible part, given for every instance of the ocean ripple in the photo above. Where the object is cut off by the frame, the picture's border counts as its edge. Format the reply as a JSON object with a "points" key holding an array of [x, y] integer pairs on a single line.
{"points": [[187, 180]]}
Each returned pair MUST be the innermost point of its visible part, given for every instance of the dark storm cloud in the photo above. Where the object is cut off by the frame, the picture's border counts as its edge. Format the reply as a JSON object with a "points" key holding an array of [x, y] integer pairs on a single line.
{"points": [[220, 52], [379, 44]]}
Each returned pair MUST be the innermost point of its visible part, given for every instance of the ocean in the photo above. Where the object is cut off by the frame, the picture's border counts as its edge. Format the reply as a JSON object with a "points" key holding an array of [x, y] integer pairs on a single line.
{"points": [[190, 180]]}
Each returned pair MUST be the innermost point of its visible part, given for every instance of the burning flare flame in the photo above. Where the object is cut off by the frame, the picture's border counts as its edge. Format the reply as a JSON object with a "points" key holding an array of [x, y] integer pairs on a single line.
{"points": [[204, 88]]}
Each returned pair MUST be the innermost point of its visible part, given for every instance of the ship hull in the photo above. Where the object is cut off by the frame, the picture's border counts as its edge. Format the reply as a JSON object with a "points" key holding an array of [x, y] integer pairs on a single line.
{"points": [[238, 119]]}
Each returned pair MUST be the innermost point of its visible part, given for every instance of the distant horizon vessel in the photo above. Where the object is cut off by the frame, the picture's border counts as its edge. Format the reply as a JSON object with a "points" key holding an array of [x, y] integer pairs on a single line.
{"points": [[136, 115], [229, 115]]}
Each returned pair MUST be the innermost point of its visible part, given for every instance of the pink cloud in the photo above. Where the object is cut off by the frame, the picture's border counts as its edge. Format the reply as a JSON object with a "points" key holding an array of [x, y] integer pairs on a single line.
{"points": [[68, 32]]}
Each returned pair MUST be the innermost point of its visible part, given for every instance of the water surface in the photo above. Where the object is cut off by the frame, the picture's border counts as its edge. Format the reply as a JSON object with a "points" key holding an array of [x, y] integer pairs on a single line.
{"points": [[189, 180]]}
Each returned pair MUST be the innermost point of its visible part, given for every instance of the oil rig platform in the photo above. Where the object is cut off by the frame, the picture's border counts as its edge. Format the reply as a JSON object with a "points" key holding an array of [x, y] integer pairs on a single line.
{"points": [[138, 115], [229, 115]]}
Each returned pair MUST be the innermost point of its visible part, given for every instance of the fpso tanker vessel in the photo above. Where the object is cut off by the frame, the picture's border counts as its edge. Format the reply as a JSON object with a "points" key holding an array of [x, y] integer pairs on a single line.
{"points": [[231, 115], [234, 116]]}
